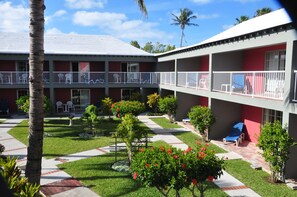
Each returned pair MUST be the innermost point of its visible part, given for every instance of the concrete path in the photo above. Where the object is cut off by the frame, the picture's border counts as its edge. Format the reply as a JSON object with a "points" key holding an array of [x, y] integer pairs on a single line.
{"points": [[58, 183]]}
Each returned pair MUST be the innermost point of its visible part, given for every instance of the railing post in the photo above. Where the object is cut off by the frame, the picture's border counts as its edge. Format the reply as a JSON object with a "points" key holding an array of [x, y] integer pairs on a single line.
{"points": [[295, 86], [197, 80], [186, 79], [231, 82], [253, 87]]}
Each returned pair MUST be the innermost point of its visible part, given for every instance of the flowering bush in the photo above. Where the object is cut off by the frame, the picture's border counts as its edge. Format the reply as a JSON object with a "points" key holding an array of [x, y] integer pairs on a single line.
{"points": [[119, 109], [173, 168]]}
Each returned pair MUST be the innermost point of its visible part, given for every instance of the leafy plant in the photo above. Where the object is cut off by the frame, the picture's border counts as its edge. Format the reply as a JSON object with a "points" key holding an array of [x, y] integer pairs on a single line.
{"points": [[119, 109], [129, 130], [153, 100], [275, 143], [90, 116], [23, 104], [202, 118], [12, 176], [106, 106], [172, 168], [168, 105]]}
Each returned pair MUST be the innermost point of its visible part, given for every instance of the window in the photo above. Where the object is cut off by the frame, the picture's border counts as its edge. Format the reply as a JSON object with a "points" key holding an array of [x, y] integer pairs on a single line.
{"points": [[270, 115], [127, 94], [275, 60], [80, 98]]}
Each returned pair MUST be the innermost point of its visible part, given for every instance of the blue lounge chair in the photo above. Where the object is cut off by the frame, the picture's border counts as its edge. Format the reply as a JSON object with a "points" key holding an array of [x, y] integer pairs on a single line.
{"points": [[238, 83], [236, 135], [186, 120]]}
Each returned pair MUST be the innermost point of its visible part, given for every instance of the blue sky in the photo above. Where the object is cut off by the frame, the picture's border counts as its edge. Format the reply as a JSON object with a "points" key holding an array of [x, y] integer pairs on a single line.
{"points": [[122, 18]]}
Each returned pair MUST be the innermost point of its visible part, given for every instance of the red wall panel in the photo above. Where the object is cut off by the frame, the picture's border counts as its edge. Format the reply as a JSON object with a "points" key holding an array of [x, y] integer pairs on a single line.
{"points": [[62, 66], [147, 67], [115, 94], [203, 101], [115, 66], [63, 95], [204, 63], [252, 118], [97, 95], [7, 65], [97, 66]]}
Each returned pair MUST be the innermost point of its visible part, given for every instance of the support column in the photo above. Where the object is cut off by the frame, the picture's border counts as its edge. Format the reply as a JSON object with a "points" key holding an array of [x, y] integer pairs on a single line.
{"points": [[175, 70], [51, 81], [106, 69]]}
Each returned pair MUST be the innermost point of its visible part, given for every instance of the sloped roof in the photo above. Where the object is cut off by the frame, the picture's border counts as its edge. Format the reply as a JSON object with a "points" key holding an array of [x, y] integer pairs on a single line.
{"points": [[70, 44], [266, 21]]}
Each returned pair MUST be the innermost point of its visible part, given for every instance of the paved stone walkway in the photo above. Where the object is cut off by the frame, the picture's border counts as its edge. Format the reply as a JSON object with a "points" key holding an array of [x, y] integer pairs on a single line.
{"points": [[57, 183]]}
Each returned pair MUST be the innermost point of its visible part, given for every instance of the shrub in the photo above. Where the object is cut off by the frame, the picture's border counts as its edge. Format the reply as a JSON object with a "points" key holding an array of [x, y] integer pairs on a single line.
{"points": [[129, 130], [23, 104], [12, 176], [119, 109], [90, 116], [168, 105], [275, 143], [202, 118], [171, 168], [153, 100], [136, 96], [106, 106]]}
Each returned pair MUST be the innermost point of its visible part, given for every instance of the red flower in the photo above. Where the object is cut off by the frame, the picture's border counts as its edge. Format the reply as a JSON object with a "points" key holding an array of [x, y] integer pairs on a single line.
{"points": [[203, 149], [135, 175], [189, 149], [175, 157], [141, 150], [156, 164], [183, 166], [194, 181], [118, 109], [147, 165], [118, 115], [207, 144], [169, 151], [210, 178], [198, 142], [162, 148]]}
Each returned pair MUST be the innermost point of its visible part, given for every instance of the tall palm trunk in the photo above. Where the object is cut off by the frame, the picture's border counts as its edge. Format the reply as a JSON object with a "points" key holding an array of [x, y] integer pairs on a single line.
{"points": [[181, 37], [36, 112]]}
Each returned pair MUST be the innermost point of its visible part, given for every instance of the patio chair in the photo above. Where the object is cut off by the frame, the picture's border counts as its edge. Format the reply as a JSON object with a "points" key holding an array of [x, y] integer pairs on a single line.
{"points": [[236, 134], [68, 78], [59, 105], [61, 77], [23, 78], [70, 106], [186, 120], [238, 84]]}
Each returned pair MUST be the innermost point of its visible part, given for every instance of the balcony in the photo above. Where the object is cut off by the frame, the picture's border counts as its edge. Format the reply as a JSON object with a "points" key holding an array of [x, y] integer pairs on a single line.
{"points": [[134, 77], [18, 77], [194, 80], [167, 78], [79, 78], [263, 84]]}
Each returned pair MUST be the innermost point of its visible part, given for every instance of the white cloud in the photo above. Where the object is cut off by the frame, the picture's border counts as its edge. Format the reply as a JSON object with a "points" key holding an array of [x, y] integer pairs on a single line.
{"points": [[85, 4], [207, 16], [13, 18], [201, 1], [53, 31], [57, 14]]}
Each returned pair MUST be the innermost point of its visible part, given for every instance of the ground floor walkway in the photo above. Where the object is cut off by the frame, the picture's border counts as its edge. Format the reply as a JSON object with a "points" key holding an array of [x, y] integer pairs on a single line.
{"points": [[57, 183]]}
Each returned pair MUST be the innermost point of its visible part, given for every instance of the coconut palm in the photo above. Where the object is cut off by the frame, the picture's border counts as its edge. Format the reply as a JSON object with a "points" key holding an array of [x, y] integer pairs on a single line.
{"points": [[262, 11], [241, 19], [36, 112], [183, 20]]}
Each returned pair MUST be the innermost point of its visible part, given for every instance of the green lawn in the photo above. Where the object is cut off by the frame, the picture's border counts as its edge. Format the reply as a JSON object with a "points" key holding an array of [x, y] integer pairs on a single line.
{"points": [[165, 123], [190, 139], [96, 173], [257, 180], [65, 140]]}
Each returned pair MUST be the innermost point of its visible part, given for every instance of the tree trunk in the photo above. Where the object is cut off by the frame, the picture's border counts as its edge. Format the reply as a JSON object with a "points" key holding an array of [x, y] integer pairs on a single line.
{"points": [[181, 37], [36, 111]]}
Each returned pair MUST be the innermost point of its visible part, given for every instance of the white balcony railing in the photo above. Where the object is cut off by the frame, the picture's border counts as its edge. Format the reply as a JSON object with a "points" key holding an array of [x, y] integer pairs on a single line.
{"points": [[167, 78], [134, 77], [64, 77], [18, 77], [295, 86], [195, 80], [266, 84]]}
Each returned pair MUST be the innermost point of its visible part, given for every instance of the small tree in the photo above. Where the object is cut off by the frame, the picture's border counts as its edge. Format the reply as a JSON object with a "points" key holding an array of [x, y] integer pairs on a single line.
{"points": [[275, 143], [168, 105], [106, 106], [129, 130], [90, 115], [153, 100], [23, 104], [202, 119]]}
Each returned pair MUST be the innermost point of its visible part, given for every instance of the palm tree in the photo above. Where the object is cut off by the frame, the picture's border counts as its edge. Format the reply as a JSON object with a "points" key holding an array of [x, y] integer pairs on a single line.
{"points": [[182, 20], [262, 11], [36, 112], [241, 19]]}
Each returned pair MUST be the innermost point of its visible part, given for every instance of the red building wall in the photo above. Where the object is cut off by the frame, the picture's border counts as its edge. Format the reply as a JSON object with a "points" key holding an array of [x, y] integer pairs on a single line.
{"points": [[62, 66], [203, 101], [115, 94], [10, 95], [115, 66], [97, 95], [204, 63], [252, 118], [254, 59], [7, 65], [97, 66], [63, 95], [146, 67]]}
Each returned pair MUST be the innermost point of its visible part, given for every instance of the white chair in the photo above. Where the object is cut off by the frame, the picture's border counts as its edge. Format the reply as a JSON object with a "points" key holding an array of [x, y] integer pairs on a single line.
{"points": [[117, 78], [70, 106], [59, 105], [1, 77], [68, 78], [202, 83], [61, 77], [23, 78]]}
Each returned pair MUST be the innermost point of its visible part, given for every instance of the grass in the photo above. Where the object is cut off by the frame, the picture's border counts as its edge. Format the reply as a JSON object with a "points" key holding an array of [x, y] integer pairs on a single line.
{"points": [[257, 180], [165, 123], [190, 139], [63, 140], [96, 173]]}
